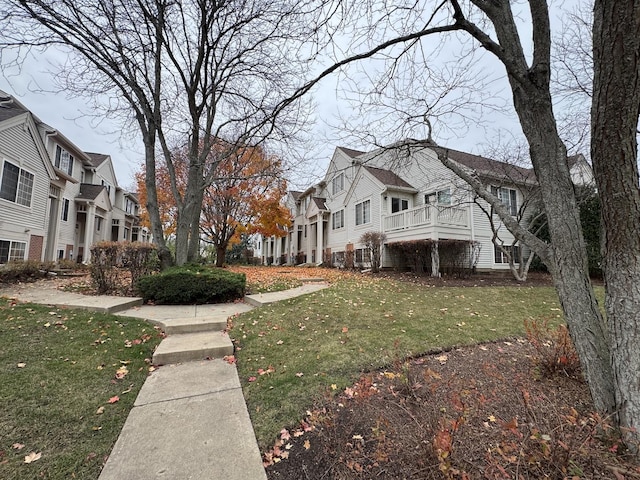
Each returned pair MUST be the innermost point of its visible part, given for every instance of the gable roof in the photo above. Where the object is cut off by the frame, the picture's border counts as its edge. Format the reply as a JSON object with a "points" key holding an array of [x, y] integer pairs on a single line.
{"points": [[97, 159], [351, 152], [320, 203], [9, 107], [387, 177], [88, 191], [492, 168], [295, 194]]}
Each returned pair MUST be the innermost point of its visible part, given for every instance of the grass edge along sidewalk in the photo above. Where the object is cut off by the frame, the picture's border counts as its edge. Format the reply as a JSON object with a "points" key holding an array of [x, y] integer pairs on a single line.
{"points": [[69, 379]]}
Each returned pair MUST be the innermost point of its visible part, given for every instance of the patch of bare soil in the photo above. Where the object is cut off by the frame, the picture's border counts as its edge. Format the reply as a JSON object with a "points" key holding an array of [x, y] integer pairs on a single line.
{"points": [[483, 412]]}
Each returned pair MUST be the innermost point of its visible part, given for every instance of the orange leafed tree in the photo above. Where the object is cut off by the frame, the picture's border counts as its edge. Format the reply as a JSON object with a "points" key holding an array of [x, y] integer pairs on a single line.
{"points": [[245, 198]]}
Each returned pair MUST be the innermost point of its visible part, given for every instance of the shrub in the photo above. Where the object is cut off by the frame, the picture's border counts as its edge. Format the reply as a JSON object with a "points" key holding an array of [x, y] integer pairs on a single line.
{"points": [[555, 349], [24, 271], [109, 259], [192, 284]]}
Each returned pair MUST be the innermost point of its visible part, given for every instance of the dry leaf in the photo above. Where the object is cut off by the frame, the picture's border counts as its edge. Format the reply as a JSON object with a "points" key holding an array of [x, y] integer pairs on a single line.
{"points": [[32, 457], [114, 399], [306, 445], [22, 365], [442, 359], [18, 446], [100, 411]]}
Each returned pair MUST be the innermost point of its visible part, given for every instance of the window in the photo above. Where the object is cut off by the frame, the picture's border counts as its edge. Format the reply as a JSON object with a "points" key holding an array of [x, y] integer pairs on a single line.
{"points": [[337, 184], [502, 258], [338, 219], [399, 204], [17, 184], [106, 184], [64, 160], [129, 206], [508, 198], [98, 223], [363, 212], [12, 251], [363, 255], [441, 197], [65, 209]]}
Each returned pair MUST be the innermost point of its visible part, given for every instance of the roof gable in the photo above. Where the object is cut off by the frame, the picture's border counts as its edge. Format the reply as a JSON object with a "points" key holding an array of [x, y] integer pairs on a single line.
{"points": [[387, 177]]}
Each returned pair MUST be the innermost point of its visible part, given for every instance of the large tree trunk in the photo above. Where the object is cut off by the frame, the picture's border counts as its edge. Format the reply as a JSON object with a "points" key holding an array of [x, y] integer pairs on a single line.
{"points": [[614, 123], [530, 85], [166, 260], [221, 254]]}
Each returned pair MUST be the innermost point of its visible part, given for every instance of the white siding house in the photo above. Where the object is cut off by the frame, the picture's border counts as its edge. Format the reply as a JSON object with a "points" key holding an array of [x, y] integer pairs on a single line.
{"points": [[55, 199], [405, 192]]}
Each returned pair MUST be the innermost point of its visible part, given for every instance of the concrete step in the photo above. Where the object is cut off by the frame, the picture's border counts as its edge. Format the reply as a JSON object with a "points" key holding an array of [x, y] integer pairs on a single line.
{"points": [[193, 325], [188, 347]]}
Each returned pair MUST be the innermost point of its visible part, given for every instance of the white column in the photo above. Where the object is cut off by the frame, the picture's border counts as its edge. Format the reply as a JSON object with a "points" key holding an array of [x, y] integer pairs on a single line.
{"points": [[309, 248], [319, 235], [89, 227]]}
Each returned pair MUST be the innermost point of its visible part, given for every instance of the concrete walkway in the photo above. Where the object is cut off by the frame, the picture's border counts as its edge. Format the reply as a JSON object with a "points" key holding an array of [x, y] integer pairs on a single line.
{"points": [[190, 420]]}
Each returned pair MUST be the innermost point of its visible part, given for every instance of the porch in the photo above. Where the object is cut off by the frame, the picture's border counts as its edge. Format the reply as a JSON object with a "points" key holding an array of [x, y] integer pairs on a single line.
{"points": [[428, 221]]}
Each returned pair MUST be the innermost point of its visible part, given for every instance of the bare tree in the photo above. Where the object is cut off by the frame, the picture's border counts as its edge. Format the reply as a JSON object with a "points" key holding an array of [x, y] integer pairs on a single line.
{"points": [[373, 242], [196, 69]]}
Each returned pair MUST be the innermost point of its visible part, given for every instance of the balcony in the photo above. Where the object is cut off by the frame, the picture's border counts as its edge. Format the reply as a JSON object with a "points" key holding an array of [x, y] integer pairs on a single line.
{"points": [[456, 217]]}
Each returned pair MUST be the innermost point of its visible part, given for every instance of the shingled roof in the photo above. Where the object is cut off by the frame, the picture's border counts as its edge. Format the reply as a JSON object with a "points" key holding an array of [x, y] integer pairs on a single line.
{"points": [[89, 191], [97, 159], [493, 168], [387, 177], [351, 152], [9, 108], [320, 203]]}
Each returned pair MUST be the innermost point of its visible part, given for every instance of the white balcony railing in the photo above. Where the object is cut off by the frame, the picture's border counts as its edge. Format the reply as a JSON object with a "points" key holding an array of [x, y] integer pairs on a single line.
{"points": [[426, 215]]}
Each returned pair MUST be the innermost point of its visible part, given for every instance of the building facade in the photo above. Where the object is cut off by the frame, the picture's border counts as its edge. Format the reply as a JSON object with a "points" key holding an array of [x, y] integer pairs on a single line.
{"points": [[55, 199]]}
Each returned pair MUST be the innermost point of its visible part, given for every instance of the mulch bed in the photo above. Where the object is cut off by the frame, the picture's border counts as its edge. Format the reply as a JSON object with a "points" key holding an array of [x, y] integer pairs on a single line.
{"points": [[482, 412]]}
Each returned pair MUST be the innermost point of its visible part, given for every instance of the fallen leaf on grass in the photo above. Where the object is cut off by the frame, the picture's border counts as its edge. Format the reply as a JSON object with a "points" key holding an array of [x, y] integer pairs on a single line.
{"points": [[114, 399], [345, 329], [100, 411], [18, 446], [284, 434], [299, 374], [306, 445], [22, 365], [252, 379], [32, 457], [122, 372], [230, 359]]}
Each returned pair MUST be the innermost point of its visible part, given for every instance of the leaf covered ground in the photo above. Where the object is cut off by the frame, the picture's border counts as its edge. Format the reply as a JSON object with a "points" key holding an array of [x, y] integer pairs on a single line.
{"points": [[68, 380]]}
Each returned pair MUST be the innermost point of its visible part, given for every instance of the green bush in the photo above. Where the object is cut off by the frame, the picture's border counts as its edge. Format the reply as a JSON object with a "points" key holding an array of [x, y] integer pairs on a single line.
{"points": [[192, 284], [24, 271]]}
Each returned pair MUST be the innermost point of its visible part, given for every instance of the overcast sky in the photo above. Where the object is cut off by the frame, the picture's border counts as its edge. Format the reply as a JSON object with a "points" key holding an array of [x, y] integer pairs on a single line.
{"points": [[66, 115]]}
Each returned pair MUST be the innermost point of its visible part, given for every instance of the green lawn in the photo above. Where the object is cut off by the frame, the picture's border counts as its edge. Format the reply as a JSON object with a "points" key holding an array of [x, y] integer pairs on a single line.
{"points": [[320, 343], [58, 369]]}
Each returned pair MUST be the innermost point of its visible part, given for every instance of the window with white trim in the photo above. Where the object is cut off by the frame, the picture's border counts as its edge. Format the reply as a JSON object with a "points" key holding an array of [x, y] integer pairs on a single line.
{"points": [[363, 212], [501, 257], [508, 197], [16, 185], [399, 204], [98, 224], [337, 219], [337, 184], [12, 251], [65, 209], [363, 255], [64, 160], [441, 197]]}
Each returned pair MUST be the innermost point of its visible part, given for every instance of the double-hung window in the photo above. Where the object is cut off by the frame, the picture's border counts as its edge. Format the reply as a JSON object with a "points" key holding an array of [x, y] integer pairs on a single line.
{"points": [[64, 160], [508, 198], [17, 184], [12, 251], [338, 219], [501, 257], [363, 212], [337, 184], [441, 197]]}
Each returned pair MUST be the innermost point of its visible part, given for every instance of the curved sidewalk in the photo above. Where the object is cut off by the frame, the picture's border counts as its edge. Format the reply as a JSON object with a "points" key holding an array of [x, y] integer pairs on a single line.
{"points": [[190, 420]]}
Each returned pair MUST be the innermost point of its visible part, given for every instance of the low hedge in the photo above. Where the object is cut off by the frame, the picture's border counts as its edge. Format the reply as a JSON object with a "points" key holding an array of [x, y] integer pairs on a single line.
{"points": [[192, 284], [25, 271]]}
